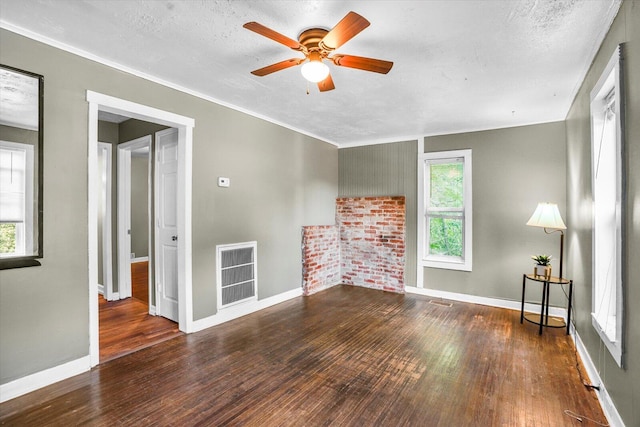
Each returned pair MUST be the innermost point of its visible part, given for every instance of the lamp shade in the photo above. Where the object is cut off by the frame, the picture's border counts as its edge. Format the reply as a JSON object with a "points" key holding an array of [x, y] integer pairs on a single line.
{"points": [[547, 215], [315, 71]]}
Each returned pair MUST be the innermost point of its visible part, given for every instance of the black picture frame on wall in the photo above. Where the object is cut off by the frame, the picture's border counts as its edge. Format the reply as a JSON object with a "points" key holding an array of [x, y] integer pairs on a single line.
{"points": [[22, 124]]}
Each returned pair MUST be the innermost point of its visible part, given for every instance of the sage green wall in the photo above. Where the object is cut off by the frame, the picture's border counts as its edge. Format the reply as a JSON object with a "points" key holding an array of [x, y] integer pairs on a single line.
{"points": [[108, 132], [280, 181], [140, 205], [513, 170], [132, 129], [385, 170], [24, 136], [623, 385]]}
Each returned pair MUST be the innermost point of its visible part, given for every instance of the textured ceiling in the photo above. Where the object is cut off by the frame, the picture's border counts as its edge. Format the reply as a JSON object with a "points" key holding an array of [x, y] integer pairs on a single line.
{"points": [[458, 65], [18, 100]]}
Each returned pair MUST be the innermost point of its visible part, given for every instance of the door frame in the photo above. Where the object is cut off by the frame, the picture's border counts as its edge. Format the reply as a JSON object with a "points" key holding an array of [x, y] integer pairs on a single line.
{"points": [[101, 102], [124, 210], [107, 244]]}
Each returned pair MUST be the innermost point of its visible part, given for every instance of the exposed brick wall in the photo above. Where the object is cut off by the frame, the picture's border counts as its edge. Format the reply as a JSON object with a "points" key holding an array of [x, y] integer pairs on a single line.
{"points": [[372, 241], [320, 258]]}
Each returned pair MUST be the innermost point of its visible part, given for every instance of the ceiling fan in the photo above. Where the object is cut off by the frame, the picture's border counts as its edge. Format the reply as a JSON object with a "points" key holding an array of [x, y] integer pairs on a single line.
{"points": [[317, 44]]}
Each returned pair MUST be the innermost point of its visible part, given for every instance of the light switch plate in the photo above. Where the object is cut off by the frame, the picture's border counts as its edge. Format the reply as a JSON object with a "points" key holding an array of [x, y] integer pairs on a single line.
{"points": [[223, 182]]}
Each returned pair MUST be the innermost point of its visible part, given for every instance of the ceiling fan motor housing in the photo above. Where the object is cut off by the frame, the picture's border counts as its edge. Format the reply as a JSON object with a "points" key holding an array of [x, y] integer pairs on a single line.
{"points": [[311, 39]]}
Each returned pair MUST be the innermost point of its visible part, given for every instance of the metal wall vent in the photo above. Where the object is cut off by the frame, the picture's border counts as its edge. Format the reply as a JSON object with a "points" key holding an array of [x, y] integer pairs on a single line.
{"points": [[236, 273], [440, 303]]}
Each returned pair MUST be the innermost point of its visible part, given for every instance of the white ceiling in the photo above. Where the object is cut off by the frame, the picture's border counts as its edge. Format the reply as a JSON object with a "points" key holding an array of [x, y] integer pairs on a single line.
{"points": [[18, 100], [458, 65]]}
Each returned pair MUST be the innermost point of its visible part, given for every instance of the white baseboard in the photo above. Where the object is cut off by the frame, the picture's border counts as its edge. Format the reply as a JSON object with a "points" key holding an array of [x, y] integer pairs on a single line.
{"points": [[240, 310], [139, 259], [100, 289], [50, 376], [610, 411], [492, 302], [44, 378]]}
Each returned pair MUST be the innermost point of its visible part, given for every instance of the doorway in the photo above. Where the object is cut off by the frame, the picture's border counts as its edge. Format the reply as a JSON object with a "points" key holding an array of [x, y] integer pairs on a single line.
{"points": [[184, 129], [134, 210]]}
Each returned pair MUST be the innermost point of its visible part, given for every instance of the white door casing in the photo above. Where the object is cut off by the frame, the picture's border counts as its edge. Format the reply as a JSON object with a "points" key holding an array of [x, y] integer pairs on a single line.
{"points": [[101, 102], [166, 259]]}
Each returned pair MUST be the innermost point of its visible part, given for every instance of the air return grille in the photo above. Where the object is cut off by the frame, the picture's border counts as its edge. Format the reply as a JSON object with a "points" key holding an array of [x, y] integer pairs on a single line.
{"points": [[236, 271]]}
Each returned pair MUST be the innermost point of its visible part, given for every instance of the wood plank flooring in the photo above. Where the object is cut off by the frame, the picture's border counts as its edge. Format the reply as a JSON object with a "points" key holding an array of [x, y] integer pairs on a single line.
{"points": [[140, 281], [126, 326], [346, 356]]}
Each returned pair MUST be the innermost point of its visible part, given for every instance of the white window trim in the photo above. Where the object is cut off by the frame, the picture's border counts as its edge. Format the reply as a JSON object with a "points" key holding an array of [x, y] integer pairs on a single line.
{"points": [[424, 260], [24, 232], [610, 80]]}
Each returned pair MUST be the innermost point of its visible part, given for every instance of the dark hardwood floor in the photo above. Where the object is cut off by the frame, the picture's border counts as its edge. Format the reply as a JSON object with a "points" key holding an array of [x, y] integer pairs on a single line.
{"points": [[346, 356], [140, 281], [126, 326]]}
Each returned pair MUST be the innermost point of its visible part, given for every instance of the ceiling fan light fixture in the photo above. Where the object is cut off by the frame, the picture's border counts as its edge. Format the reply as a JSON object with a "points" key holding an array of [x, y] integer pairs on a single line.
{"points": [[318, 44], [315, 71]]}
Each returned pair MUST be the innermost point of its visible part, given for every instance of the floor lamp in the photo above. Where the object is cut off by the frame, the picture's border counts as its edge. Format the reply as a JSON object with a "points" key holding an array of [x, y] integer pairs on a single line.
{"points": [[548, 216]]}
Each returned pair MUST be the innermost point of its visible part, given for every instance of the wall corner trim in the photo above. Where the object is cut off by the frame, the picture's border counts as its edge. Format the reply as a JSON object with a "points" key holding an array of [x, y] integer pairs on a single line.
{"points": [[609, 409], [240, 310], [32, 382]]}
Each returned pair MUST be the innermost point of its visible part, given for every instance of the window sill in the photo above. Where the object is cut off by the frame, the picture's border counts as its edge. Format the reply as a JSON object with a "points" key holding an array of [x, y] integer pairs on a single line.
{"points": [[614, 347], [446, 264]]}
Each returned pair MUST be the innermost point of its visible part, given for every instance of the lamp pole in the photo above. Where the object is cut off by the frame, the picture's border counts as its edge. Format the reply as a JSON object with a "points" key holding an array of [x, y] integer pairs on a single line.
{"points": [[561, 247]]}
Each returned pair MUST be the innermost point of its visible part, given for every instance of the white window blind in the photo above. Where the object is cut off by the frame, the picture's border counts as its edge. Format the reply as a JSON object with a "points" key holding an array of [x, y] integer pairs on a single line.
{"points": [[12, 184]]}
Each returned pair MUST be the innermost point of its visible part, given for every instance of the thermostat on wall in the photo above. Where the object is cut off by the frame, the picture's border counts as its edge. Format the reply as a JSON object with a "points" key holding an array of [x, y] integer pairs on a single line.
{"points": [[223, 182]]}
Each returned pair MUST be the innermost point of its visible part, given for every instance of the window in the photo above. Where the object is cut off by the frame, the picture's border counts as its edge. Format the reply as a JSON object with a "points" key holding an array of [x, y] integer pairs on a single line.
{"points": [[608, 207], [446, 217], [16, 184]]}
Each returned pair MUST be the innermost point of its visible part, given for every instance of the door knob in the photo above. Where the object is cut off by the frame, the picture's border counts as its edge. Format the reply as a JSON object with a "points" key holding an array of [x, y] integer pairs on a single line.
{"points": [[174, 238]]}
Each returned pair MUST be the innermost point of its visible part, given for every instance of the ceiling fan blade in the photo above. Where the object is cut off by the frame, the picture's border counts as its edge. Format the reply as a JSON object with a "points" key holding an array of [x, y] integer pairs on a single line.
{"points": [[273, 35], [344, 31], [326, 84], [362, 63], [277, 66]]}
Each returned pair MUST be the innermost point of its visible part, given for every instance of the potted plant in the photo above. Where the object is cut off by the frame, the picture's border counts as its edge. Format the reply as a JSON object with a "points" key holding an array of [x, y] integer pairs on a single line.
{"points": [[543, 265]]}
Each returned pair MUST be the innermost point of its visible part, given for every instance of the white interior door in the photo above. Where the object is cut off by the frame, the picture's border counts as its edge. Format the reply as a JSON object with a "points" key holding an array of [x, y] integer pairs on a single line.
{"points": [[166, 203]]}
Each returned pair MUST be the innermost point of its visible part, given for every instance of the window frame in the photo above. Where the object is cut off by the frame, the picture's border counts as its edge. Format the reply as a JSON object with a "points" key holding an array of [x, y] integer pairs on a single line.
{"points": [[425, 160], [609, 82], [24, 236]]}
